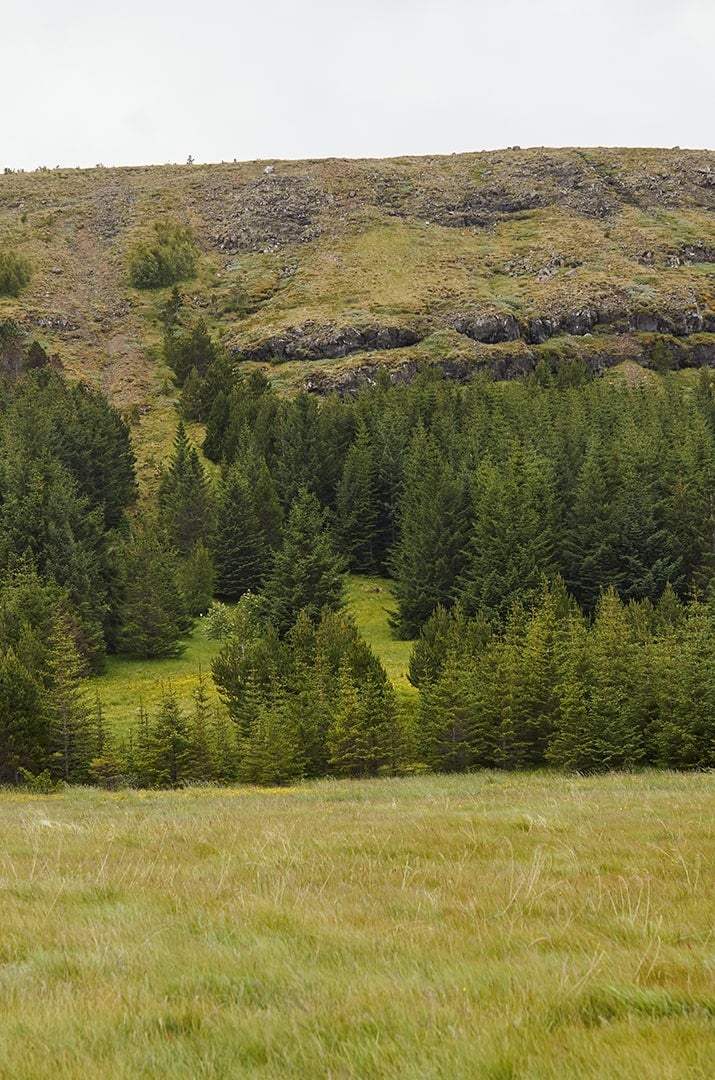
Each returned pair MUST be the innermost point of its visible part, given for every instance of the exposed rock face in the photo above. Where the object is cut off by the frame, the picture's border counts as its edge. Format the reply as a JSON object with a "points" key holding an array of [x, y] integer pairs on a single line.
{"points": [[311, 342], [489, 329], [493, 328]]}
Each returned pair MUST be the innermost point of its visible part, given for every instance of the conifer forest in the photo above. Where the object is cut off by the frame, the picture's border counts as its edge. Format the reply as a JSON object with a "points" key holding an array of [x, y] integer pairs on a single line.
{"points": [[551, 543]]}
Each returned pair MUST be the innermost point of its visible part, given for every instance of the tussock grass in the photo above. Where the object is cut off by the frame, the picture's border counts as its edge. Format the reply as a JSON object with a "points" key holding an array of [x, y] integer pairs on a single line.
{"points": [[487, 925]]}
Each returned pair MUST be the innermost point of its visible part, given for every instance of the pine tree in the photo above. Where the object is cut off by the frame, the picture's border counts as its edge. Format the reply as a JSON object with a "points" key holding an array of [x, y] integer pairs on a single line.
{"points": [[184, 351], [347, 738], [201, 761], [571, 743], [616, 716], [446, 716], [66, 706], [357, 507], [428, 557], [270, 752], [448, 630], [684, 726], [198, 578], [169, 747], [512, 540], [300, 464], [25, 737]]}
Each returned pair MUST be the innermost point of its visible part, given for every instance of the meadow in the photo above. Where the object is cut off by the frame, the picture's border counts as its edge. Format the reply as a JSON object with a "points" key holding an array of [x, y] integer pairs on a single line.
{"points": [[128, 684], [486, 925]]}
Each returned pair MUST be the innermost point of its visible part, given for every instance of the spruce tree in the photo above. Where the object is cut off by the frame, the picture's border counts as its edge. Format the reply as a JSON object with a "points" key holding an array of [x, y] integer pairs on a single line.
{"points": [[240, 554], [198, 577], [25, 736], [153, 616], [185, 500], [684, 726], [169, 745], [356, 506], [66, 706], [616, 715], [512, 540], [307, 572], [428, 557], [201, 763], [446, 718], [347, 738], [270, 753]]}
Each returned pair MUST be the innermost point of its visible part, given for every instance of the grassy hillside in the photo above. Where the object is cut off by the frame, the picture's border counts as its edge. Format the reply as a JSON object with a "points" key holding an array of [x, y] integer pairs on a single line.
{"points": [[476, 926], [318, 267]]}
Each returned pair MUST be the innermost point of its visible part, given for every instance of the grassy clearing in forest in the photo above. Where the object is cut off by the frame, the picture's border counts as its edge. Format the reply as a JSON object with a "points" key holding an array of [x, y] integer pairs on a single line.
{"points": [[487, 925], [371, 601], [128, 684]]}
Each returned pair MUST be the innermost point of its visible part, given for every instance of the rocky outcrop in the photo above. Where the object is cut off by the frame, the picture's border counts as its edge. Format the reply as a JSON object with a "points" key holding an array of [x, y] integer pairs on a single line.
{"points": [[55, 322], [265, 215], [489, 329], [310, 342], [492, 328]]}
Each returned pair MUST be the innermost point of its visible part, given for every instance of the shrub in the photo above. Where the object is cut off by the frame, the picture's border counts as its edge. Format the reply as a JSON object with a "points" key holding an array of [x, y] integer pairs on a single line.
{"points": [[15, 273], [170, 257], [219, 622]]}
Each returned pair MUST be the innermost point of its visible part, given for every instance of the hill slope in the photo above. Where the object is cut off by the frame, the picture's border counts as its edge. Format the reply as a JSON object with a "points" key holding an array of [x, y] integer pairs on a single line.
{"points": [[490, 259]]}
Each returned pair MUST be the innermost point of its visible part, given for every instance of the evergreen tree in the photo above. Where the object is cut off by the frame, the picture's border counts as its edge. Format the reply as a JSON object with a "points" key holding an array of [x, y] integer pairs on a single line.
{"points": [[169, 747], [357, 507], [616, 716], [512, 540], [47, 525], [201, 763], [183, 351], [300, 451], [25, 739], [270, 752], [185, 500], [66, 706], [446, 716], [448, 630], [307, 572], [153, 617], [240, 553], [198, 578], [347, 742], [571, 743], [433, 515], [684, 726]]}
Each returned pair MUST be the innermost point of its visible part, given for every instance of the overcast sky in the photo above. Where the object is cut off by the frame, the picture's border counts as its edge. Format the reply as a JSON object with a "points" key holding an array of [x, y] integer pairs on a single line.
{"points": [[152, 81]]}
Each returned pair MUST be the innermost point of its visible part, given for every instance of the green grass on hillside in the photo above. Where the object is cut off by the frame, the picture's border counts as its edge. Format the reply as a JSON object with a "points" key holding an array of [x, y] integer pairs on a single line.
{"points": [[493, 926], [371, 601], [128, 684]]}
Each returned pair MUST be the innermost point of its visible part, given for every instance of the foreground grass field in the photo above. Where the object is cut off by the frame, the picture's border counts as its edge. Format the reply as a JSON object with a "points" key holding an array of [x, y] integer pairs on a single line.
{"points": [[496, 926]]}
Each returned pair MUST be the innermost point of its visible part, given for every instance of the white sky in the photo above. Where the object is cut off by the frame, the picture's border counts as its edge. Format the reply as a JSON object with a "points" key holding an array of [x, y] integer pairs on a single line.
{"points": [[152, 81]]}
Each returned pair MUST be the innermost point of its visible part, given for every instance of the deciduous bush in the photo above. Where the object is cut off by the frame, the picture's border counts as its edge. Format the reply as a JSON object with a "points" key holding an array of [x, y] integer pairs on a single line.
{"points": [[170, 257], [15, 273]]}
